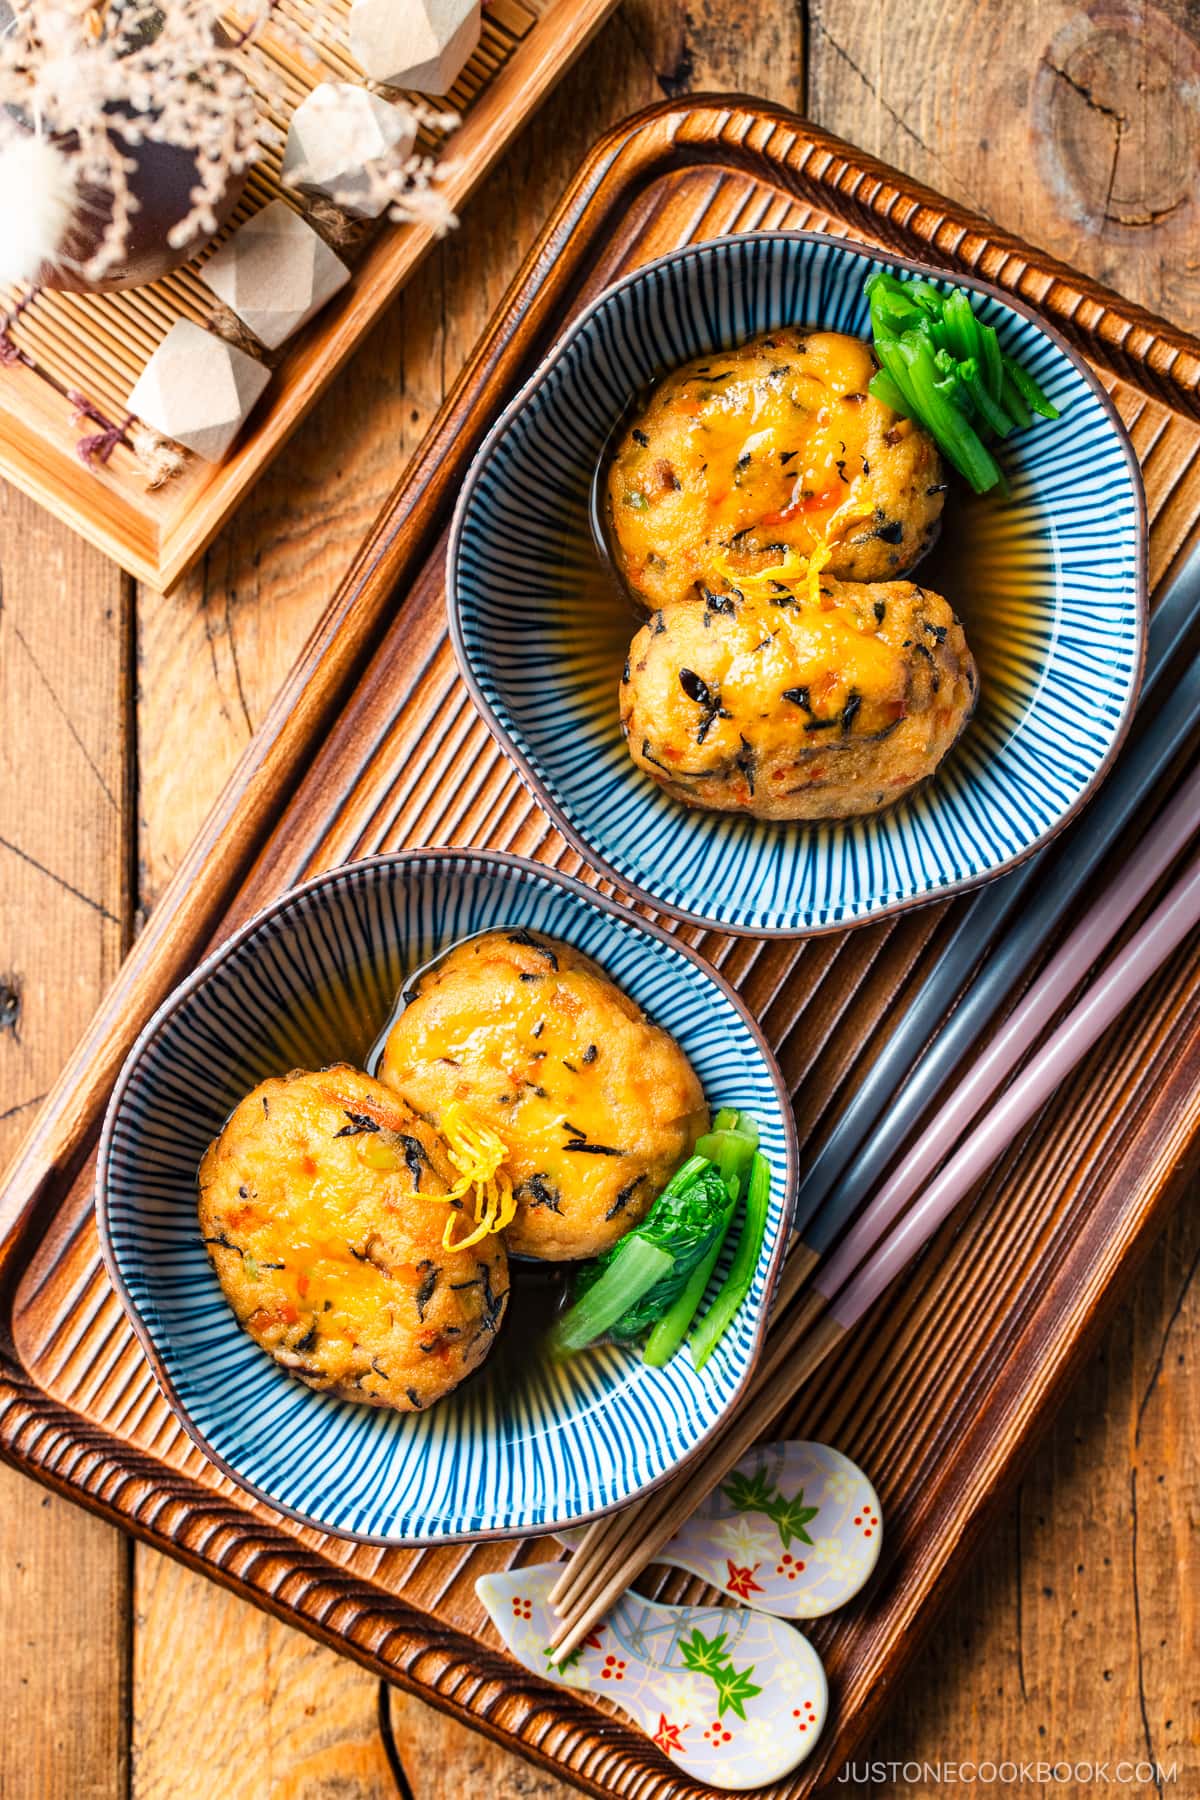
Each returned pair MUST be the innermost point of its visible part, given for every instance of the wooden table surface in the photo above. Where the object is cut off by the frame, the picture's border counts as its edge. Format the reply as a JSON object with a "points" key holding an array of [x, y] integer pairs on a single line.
{"points": [[1074, 1635]]}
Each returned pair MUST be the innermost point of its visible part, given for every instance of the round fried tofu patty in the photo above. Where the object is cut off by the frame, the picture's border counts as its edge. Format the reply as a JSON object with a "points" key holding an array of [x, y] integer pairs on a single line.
{"points": [[598, 1107], [789, 710], [312, 1206], [777, 445]]}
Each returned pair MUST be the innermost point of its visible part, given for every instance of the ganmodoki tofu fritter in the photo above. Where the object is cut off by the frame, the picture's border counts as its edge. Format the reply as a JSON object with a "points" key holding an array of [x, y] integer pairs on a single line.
{"points": [[786, 709], [775, 446], [318, 1205], [597, 1106]]}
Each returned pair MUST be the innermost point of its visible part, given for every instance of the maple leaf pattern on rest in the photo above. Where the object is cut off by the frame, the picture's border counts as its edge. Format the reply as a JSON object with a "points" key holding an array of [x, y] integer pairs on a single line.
{"points": [[667, 1736], [590, 1642], [749, 1493], [734, 1688], [741, 1581], [758, 1493], [709, 1657], [704, 1655], [791, 1516]]}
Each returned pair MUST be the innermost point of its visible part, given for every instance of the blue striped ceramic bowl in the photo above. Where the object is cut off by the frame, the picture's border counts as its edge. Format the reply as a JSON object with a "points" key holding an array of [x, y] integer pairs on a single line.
{"points": [[521, 1446], [1050, 585]]}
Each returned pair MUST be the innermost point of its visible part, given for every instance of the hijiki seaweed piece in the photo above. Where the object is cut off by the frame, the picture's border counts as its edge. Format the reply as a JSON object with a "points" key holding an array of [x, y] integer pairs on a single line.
{"points": [[709, 702], [415, 1157], [493, 1303], [536, 1190], [359, 1122], [425, 1288], [624, 1196], [522, 935], [580, 1145]]}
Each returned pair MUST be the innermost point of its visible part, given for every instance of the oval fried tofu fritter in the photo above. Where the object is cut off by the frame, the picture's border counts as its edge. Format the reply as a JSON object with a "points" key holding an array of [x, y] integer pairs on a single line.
{"points": [[312, 1204], [748, 453], [596, 1105], [788, 710]]}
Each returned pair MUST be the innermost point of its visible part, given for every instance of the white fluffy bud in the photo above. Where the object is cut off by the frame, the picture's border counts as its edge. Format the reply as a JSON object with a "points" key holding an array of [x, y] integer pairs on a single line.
{"points": [[38, 197]]}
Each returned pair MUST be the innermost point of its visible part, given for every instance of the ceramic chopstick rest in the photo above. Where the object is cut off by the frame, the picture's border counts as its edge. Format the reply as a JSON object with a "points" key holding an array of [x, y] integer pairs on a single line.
{"points": [[794, 1529], [734, 1698], [334, 135], [198, 390], [275, 272], [419, 44]]}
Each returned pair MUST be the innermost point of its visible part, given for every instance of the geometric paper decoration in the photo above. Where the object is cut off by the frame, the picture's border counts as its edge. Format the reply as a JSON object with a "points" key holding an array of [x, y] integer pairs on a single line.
{"points": [[198, 389], [418, 44], [334, 133], [275, 272]]}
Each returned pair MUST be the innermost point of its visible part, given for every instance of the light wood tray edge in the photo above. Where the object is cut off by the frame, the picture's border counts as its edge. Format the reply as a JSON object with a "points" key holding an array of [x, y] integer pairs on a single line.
{"points": [[43, 463]]}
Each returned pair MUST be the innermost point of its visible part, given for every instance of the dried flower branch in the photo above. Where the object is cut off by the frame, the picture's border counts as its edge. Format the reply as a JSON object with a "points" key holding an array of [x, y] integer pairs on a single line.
{"points": [[97, 82]]}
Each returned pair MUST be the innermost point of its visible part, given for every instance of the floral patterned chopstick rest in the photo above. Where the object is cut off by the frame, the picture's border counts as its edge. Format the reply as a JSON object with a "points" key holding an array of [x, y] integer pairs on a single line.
{"points": [[735, 1698], [794, 1529]]}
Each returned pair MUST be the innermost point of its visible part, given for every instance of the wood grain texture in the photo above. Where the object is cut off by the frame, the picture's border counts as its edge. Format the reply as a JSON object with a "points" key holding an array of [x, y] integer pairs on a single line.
{"points": [[966, 1695], [64, 1579], [157, 533], [1042, 1244], [263, 1713], [1076, 127]]}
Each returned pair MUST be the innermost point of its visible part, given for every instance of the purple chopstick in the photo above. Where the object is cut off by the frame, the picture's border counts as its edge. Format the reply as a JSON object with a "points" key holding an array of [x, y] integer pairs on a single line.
{"points": [[1171, 833], [1108, 995]]}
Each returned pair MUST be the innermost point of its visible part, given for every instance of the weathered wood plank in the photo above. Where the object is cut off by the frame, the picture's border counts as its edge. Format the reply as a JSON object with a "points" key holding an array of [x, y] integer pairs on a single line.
{"points": [[211, 658], [1077, 127], [64, 1588], [1073, 1638], [230, 1702]]}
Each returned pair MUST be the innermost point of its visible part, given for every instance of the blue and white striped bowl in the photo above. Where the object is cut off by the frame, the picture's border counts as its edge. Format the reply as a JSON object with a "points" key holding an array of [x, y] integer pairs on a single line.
{"points": [[1051, 587], [520, 1447]]}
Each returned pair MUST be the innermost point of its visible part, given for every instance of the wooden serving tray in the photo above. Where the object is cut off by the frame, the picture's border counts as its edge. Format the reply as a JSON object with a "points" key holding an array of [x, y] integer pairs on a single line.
{"points": [[372, 745], [97, 344]]}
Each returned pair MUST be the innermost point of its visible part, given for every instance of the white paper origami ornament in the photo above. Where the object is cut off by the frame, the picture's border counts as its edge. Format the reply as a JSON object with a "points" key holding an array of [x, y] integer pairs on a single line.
{"points": [[419, 44], [198, 389], [275, 272], [334, 135]]}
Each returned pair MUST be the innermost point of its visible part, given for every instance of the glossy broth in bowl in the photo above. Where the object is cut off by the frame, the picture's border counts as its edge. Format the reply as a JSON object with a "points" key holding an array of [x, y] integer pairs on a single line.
{"points": [[1049, 583]]}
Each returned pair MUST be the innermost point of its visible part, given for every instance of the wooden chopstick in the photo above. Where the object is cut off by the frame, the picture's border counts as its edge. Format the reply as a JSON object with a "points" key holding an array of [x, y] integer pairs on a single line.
{"points": [[660, 1515], [1170, 835], [603, 1553], [926, 1049], [1104, 1001], [578, 1569], [618, 1549]]}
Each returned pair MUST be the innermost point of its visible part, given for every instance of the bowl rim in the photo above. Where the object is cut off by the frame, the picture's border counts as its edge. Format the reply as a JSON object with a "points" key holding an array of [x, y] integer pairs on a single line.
{"points": [[523, 763], [404, 860]]}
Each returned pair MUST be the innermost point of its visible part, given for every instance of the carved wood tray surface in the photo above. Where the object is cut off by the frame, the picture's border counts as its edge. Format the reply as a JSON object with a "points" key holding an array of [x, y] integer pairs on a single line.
{"points": [[374, 745]]}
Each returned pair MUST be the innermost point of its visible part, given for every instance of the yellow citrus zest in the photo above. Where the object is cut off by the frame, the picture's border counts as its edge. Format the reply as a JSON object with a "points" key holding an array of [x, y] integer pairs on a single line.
{"points": [[477, 1153], [796, 563], [794, 568]]}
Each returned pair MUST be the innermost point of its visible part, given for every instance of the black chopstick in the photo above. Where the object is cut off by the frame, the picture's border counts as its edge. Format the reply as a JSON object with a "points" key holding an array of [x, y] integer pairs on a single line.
{"points": [[906, 1076]]}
